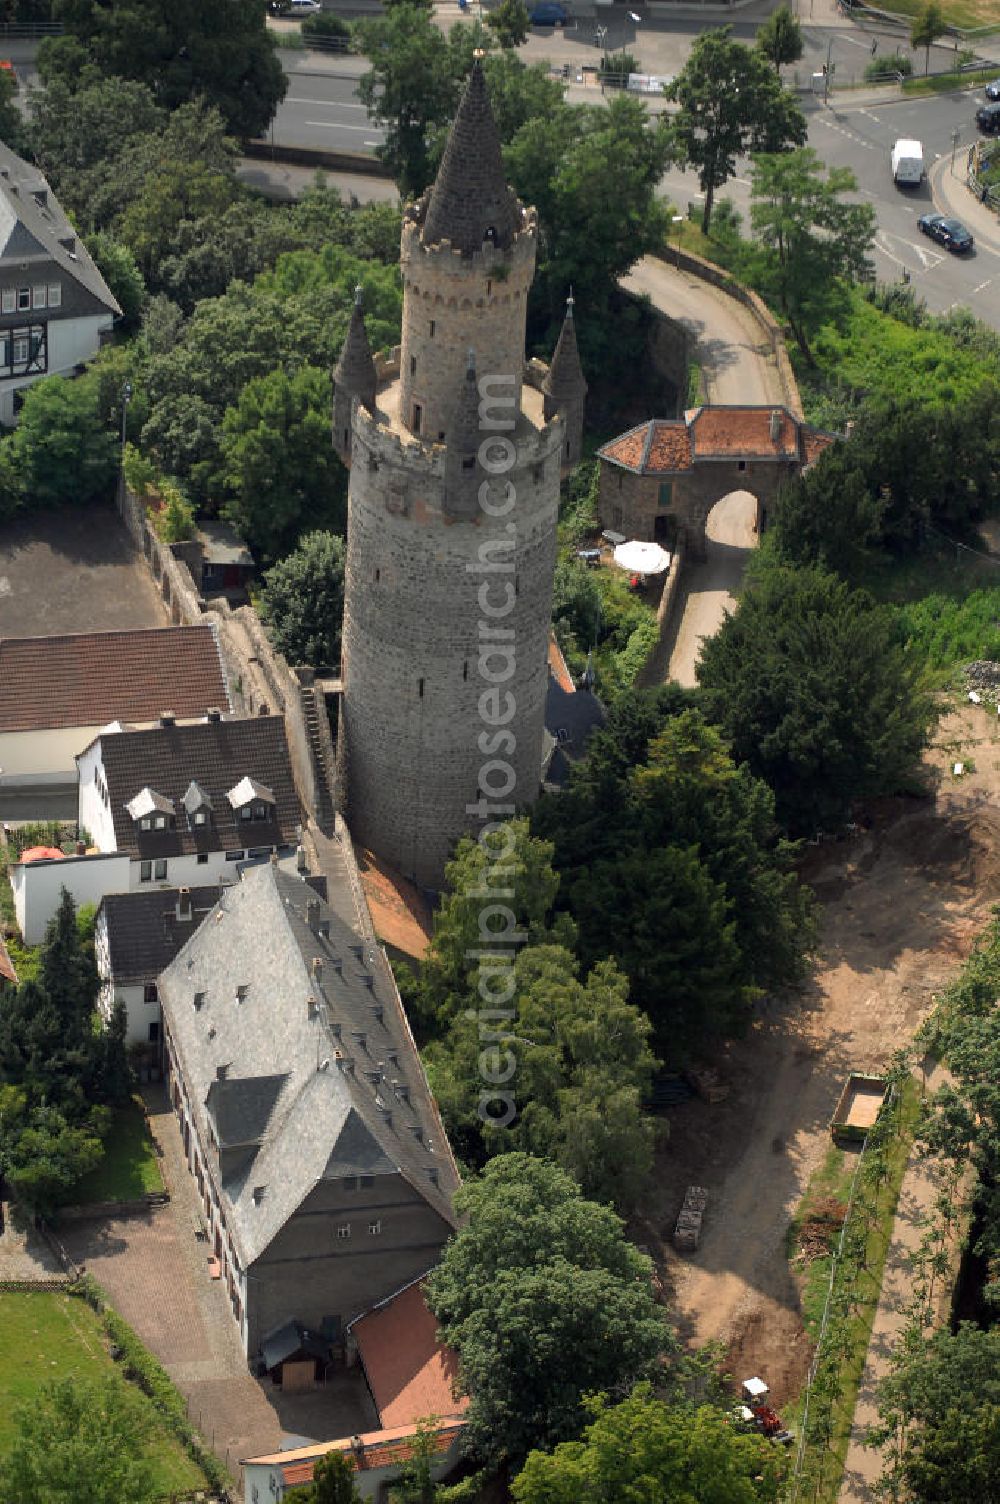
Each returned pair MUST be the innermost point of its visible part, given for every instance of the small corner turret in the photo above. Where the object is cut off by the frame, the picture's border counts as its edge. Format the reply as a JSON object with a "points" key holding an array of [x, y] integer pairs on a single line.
{"points": [[353, 377], [565, 388]]}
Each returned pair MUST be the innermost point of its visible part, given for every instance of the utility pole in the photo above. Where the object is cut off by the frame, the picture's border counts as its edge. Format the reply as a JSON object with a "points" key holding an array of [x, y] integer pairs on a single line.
{"points": [[954, 144], [826, 71]]}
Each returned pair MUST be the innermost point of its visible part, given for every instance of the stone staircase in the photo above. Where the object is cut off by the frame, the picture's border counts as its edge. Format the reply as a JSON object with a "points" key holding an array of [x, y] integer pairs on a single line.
{"points": [[321, 748]]}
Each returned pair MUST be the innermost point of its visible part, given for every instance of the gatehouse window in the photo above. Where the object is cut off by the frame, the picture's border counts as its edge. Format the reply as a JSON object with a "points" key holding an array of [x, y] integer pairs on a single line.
{"points": [[665, 493]]}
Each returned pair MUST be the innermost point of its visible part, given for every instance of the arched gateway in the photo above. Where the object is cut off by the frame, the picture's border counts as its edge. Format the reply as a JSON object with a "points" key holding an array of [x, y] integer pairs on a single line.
{"points": [[660, 481]]}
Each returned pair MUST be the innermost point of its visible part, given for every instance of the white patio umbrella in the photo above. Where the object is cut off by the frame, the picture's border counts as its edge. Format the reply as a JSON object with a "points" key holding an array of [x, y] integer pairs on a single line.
{"points": [[642, 558]]}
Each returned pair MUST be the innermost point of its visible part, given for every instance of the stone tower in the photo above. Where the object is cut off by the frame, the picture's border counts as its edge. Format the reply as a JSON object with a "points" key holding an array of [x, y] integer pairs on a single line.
{"points": [[565, 388], [451, 534]]}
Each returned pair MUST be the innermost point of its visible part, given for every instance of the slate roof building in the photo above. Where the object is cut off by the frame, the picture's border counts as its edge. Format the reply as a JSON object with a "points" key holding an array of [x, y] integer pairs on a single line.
{"points": [[660, 480], [136, 936], [56, 693], [323, 1167], [56, 309]]}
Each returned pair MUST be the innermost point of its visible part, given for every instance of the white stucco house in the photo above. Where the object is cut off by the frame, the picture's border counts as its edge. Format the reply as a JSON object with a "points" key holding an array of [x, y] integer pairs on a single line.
{"points": [[136, 936], [171, 806], [56, 309]]}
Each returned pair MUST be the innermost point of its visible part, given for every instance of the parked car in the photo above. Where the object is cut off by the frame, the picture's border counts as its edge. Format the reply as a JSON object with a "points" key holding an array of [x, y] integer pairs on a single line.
{"points": [[988, 118], [950, 233], [549, 13], [993, 89]]}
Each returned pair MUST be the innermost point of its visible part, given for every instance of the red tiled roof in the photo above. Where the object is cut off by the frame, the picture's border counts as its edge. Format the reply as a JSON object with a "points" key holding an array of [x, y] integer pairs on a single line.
{"points": [[558, 666], [744, 432], [628, 448], [411, 1375], [91, 678], [378, 1449], [669, 448], [6, 964]]}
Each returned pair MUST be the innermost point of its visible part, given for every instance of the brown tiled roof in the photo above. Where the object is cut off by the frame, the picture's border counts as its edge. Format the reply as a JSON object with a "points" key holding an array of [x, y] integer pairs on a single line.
{"points": [[216, 755], [410, 1373], [91, 678], [660, 447], [744, 433], [144, 932], [6, 964]]}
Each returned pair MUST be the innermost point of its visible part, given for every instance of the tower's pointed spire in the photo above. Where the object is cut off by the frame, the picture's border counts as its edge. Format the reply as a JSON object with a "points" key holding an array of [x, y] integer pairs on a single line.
{"points": [[354, 373], [470, 201], [565, 380]]}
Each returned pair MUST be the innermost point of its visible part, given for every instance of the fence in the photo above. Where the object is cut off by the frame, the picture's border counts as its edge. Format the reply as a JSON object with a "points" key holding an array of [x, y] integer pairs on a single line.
{"points": [[980, 160]]}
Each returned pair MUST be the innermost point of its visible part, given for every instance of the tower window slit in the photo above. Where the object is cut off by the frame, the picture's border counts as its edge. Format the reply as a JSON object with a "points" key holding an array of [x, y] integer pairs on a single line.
{"points": [[432, 328], [413, 365], [378, 573], [420, 688], [465, 669]]}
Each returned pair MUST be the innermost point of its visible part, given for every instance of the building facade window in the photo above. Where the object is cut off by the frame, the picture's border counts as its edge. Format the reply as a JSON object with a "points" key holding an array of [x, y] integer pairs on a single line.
{"points": [[375, 1228], [160, 871], [55, 295], [203, 859], [38, 297], [665, 494], [154, 1033], [344, 1230], [145, 872], [23, 298], [8, 300], [150, 994], [234, 856]]}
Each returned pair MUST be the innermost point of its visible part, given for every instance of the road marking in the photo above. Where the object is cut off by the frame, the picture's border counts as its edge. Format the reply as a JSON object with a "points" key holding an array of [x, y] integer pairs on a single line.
{"points": [[982, 286], [870, 116], [329, 104], [373, 143]]}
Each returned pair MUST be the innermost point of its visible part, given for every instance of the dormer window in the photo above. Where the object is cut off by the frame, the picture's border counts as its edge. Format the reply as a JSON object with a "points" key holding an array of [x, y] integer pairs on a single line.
{"points": [[198, 806], [150, 810], [251, 800]]}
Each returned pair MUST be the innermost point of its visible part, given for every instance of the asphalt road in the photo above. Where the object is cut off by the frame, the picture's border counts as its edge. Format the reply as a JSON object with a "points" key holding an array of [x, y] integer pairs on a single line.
{"points": [[323, 110]]}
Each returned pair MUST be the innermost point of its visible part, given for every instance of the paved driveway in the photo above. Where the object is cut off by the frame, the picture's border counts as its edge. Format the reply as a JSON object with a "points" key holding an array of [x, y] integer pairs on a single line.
{"points": [[73, 570], [155, 1273]]}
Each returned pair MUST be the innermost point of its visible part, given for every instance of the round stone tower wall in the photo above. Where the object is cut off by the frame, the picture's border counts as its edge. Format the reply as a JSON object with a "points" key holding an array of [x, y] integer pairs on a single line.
{"points": [[436, 695], [453, 304]]}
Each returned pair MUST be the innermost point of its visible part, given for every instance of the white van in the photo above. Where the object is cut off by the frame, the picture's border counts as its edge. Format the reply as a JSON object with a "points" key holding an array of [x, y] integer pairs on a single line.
{"points": [[907, 163]]}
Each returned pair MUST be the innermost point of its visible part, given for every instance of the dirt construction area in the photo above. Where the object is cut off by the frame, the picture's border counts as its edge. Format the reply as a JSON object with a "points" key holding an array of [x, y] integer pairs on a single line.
{"points": [[900, 906]]}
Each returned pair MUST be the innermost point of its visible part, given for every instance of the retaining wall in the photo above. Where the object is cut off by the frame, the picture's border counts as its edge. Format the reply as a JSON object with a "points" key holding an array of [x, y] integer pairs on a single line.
{"points": [[769, 327]]}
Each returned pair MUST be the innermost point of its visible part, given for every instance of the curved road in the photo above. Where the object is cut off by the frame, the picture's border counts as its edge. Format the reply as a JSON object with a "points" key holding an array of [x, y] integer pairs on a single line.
{"points": [[737, 366]]}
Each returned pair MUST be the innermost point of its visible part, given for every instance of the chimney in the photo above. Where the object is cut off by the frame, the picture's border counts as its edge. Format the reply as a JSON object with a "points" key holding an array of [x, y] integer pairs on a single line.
{"points": [[300, 859], [312, 1007], [317, 969], [775, 425], [168, 718], [358, 1448], [183, 904], [215, 714], [312, 915]]}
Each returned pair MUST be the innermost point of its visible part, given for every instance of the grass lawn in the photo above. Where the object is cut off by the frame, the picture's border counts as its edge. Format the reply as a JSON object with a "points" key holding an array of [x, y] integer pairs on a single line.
{"points": [[833, 1179], [947, 83], [130, 1168], [968, 14], [48, 1335]]}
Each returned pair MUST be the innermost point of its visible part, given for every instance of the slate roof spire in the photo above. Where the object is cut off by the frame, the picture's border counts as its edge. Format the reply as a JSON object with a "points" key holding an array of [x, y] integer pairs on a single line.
{"points": [[565, 380], [355, 370], [470, 201]]}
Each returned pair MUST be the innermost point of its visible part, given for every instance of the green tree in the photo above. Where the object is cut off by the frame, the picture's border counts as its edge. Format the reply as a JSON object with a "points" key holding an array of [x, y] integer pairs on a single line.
{"points": [[82, 1441], [545, 1301], [509, 23], [332, 1483], [580, 1066], [279, 468], [302, 601], [412, 87], [81, 126], [815, 237], [60, 449], [185, 50], [731, 104], [810, 682], [515, 865], [45, 1161], [69, 974], [118, 266], [643, 1450], [779, 38], [939, 1413], [11, 120], [928, 25]]}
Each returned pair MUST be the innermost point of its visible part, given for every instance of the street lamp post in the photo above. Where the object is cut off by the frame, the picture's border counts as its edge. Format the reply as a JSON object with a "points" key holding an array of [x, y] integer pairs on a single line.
{"points": [[954, 145], [126, 399]]}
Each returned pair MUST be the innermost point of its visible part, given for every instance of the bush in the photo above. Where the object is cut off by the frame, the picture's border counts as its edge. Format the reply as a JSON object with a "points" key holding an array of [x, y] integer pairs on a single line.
{"points": [[325, 26], [883, 63]]}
